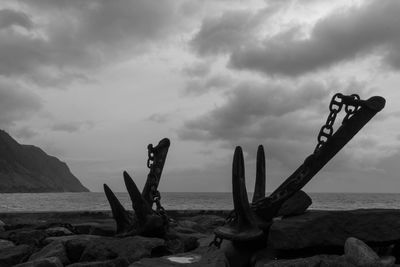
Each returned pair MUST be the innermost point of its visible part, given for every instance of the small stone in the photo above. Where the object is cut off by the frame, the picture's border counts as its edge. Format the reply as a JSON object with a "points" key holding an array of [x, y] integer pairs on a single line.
{"points": [[387, 261], [54, 249], [359, 253], [47, 262]]}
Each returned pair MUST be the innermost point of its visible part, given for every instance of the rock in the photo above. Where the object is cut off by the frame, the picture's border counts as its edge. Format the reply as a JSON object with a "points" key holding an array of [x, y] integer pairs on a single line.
{"points": [[188, 224], [315, 261], [295, 205], [85, 227], [199, 258], [64, 239], [318, 229], [119, 262], [5, 244], [131, 248], [25, 236], [208, 222], [2, 224], [360, 254], [14, 255], [58, 231], [47, 262], [75, 248], [54, 249]]}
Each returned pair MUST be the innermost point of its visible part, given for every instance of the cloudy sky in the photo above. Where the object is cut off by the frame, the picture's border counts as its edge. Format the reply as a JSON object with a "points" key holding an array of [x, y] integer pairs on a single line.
{"points": [[92, 82]]}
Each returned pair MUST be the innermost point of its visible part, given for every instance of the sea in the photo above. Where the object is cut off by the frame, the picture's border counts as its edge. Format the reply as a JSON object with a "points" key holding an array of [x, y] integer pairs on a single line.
{"points": [[96, 201]]}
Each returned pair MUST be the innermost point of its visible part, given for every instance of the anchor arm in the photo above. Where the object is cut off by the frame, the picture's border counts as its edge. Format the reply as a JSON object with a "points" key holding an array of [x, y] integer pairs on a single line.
{"points": [[268, 207]]}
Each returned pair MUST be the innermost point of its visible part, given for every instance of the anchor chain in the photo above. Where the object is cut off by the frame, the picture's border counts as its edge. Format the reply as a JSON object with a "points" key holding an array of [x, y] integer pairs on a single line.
{"points": [[351, 104], [155, 194], [217, 239], [150, 158]]}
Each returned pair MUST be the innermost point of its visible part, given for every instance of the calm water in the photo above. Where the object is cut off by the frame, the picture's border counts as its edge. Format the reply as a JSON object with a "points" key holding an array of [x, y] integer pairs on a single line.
{"points": [[98, 201]]}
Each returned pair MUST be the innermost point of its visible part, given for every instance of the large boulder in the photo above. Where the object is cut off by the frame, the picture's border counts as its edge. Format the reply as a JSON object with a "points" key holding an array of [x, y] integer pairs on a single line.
{"points": [[317, 229], [54, 249], [360, 254], [25, 236], [11, 256], [295, 205], [131, 248]]}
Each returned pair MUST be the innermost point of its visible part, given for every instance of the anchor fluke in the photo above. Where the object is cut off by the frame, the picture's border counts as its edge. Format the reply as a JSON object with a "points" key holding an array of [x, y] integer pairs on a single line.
{"points": [[139, 205], [244, 227], [259, 188], [121, 216]]}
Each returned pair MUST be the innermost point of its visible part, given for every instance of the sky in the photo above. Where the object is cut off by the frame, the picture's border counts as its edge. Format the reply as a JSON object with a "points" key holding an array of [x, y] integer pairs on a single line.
{"points": [[93, 82]]}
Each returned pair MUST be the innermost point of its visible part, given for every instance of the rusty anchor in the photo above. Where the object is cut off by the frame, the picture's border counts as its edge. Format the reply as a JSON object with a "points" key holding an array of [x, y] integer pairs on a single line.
{"points": [[250, 222], [144, 220]]}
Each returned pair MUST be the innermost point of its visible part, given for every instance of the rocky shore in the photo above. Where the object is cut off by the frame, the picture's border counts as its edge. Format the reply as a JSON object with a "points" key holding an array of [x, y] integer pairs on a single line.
{"points": [[315, 238]]}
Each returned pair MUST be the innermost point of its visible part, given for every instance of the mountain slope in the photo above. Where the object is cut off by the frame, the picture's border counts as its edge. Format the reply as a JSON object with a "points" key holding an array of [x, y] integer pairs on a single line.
{"points": [[26, 168]]}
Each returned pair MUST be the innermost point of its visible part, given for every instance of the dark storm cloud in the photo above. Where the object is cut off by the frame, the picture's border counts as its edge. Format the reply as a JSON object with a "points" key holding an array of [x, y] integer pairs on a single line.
{"points": [[64, 39], [372, 28], [16, 104]]}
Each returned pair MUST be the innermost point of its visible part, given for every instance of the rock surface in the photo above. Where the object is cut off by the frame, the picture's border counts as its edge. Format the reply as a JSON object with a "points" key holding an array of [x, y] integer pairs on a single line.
{"points": [[295, 205], [54, 249], [131, 248], [26, 168], [360, 254], [47, 262], [13, 255], [332, 228]]}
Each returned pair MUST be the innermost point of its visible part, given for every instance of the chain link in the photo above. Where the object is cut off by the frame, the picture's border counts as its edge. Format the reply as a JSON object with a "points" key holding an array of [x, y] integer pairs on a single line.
{"points": [[150, 158], [216, 242], [351, 104]]}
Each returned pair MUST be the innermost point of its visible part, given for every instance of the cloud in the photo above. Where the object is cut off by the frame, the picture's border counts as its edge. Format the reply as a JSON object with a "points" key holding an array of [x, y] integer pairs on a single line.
{"points": [[344, 35], [225, 33], [16, 103], [256, 113], [64, 40], [284, 116], [9, 17], [199, 86], [71, 127]]}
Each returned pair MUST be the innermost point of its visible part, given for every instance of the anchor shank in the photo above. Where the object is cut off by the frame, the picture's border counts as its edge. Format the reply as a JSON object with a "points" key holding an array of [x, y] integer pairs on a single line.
{"points": [[153, 178]]}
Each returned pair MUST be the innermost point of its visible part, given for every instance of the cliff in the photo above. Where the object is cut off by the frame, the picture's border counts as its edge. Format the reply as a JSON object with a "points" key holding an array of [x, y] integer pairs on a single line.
{"points": [[26, 168]]}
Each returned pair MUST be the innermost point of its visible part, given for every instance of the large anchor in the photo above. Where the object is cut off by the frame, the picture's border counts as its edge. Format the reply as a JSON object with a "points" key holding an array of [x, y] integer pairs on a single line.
{"points": [[145, 220], [250, 222]]}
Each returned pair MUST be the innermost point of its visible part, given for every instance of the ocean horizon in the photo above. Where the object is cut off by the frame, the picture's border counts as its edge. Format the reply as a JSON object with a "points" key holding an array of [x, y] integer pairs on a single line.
{"points": [[96, 201]]}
